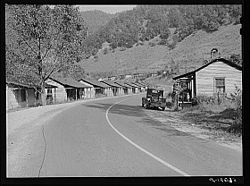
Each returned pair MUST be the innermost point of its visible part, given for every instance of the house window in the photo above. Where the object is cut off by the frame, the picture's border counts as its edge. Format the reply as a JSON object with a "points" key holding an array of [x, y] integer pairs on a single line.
{"points": [[220, 85], [23, 95]]}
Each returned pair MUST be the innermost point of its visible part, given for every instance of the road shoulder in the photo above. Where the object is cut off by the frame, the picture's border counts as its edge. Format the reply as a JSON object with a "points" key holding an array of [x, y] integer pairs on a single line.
{"points": [[174, 119]]}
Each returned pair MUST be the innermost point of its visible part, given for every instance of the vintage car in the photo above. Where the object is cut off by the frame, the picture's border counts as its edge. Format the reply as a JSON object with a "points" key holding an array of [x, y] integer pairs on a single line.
{"points": [[154, 99]]}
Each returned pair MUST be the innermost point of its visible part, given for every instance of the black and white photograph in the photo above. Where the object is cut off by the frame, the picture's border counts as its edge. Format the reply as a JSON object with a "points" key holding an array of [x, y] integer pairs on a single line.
{"points": [[124, 91]]}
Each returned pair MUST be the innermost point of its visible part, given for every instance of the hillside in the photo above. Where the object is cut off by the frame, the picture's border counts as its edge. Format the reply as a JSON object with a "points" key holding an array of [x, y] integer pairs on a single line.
{"points": [[95, 19], [192, 50]]}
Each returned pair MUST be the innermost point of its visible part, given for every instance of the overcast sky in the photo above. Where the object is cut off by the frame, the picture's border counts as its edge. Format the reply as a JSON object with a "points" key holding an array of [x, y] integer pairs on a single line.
{"points": [[112, 9]]}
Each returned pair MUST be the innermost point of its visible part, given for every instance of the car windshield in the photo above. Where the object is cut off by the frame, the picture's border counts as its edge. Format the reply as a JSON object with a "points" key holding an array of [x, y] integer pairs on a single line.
{"points": [[155, 94]]}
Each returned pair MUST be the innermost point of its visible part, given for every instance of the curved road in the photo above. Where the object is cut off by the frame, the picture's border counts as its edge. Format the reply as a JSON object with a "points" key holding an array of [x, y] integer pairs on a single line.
{"points": [[114, 137]]}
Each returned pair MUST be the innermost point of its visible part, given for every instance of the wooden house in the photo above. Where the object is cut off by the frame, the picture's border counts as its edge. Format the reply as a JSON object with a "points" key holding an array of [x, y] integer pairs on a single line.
{"points": [[121, 76], [98, 89], [89, 92], [219, 77], [67, 89], [135, 75], [126, 89], [128, 76], [144, 86], [137, 87], [116, 89], [134, 87], [21, 94], [130, 88], [140, 87]]}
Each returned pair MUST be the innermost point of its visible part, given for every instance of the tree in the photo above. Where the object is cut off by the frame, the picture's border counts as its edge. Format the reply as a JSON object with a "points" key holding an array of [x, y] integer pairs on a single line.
{"points": [[41, 40], [236, 58]]}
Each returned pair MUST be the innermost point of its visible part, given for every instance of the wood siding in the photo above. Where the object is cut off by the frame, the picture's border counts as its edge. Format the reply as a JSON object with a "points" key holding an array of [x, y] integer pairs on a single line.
{"points": [[130, 90], [12, 97], [120, 91], [89, 92], [14, 100], [108, 91], [60, 94], [205, 78]]}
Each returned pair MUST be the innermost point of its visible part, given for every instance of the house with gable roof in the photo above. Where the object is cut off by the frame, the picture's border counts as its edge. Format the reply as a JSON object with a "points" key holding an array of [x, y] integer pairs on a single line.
{"points": [[21, 93], [219, 77], [68, 89]]}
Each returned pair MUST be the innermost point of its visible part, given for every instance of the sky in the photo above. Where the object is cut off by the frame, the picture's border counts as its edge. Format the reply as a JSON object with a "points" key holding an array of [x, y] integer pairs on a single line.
{"points": [[111, 9]]}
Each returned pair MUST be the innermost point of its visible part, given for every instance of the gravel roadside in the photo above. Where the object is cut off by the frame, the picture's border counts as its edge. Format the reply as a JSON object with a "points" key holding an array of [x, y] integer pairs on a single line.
{"points": [[16, 119]]}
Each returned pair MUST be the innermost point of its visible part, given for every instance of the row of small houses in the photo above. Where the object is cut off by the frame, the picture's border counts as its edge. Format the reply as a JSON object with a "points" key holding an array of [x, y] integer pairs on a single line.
{"points": [[129, 76], [60, 90]]}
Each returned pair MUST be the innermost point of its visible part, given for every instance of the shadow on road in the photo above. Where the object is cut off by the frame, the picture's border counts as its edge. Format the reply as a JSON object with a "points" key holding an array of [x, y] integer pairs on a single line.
{"points": [[139, 113], [128, 110]]}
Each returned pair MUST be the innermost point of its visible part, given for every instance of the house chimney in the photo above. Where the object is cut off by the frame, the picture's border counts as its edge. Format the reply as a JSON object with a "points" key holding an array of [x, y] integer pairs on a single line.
{"points": [[215, 53]]}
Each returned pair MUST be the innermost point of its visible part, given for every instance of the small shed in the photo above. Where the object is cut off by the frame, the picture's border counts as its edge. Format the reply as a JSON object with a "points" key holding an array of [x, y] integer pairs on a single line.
{"points": [[219, 77], [128, 76], [126, 89], [21, 94], [89, 92], [144, 86], [68, 89], [100, 89], [134, 87], [140, 87], [116, 89]]}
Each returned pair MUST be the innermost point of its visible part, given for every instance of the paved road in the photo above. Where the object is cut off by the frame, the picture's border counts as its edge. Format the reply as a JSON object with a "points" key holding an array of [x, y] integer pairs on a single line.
{"points": [[101, 138]]}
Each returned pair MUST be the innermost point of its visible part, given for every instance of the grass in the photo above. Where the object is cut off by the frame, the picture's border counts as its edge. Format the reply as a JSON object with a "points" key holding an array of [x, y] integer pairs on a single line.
{"points": [[200, 123], [214, 117]]}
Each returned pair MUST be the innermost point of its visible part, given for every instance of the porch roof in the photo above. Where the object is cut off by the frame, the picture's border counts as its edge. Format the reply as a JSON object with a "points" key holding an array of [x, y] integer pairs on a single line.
{"points": [[122, 84], [138, 84], [143, 84], [69, 82], [111, 83], [95, 83], [130, 84], [14, 82]]}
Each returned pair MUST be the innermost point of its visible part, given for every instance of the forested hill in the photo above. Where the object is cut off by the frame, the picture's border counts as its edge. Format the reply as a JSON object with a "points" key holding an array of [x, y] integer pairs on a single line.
{"points": [[95, 19], [150, 37], [148, 21], [151, 56]]}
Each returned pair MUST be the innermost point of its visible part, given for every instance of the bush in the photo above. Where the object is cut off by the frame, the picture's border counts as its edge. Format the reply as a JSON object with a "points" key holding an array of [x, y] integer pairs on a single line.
{"points": [[105, 51], [169, 104], [122, 48], [194, 101], [212, 26], [162, 42], [205, 99], [236, 127], [151, 44], [171, 45], [236, 97]]}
